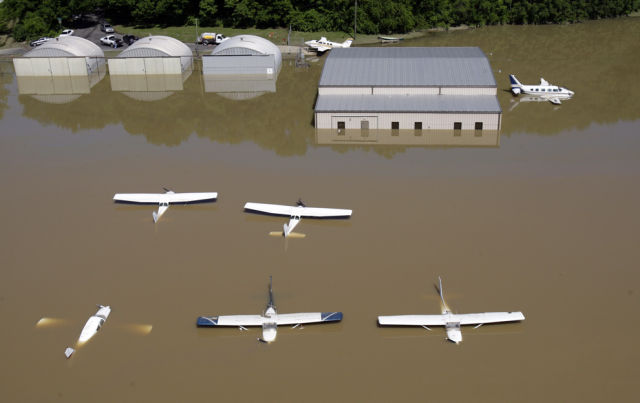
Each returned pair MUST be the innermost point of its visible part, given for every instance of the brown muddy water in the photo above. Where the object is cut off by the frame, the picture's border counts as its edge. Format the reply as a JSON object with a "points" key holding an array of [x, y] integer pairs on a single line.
{"points": [[544, 220]]}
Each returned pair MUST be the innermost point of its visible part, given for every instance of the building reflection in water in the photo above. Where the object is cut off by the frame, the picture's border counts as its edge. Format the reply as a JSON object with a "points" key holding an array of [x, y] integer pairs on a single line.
{"points": [[149, 87], [239, 87], [418, 138], [58, 89]]}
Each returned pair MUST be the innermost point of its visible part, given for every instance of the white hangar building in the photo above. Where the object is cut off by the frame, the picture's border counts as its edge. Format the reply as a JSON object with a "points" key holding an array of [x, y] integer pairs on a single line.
{"points": [[405, 88], [243, 55], [66, 56], [153, 55]]}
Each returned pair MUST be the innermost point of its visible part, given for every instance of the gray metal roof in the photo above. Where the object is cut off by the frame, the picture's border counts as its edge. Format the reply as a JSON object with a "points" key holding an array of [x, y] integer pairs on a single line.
{"points": [[406, 66], [408, 103], [66, 46]]}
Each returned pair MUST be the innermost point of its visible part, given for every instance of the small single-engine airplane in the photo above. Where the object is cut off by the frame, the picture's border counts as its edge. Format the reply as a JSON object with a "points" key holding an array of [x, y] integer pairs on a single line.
{"points": [[296, 213], [450, 320], [323, 44], [551, 93], [164, 199], [269, 320], [93, 325]]}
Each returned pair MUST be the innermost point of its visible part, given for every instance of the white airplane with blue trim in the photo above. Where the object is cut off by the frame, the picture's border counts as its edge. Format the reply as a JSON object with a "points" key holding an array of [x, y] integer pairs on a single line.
{"points": [[551, 93], [322, 45], [295, 214], [269, 320], [451, 321]]}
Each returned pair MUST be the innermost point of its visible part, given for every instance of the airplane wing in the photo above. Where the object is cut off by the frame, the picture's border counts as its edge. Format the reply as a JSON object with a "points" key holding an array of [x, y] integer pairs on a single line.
{"points": [[151, 198], [190, 197], [412, 320], [322, 48], [554, 100], [308, 317], [230, 320], [276, 209], [489, 317], [316, 212]]}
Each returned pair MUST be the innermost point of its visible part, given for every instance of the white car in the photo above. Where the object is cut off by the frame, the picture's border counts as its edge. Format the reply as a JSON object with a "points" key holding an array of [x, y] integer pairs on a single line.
{"points": [[106, 27], [67, 32], [111, 40], [40, 41]]}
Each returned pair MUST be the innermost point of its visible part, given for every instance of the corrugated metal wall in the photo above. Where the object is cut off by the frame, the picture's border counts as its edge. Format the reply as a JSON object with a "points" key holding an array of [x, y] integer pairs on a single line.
{"points": [[145, 66], [255, 65], [57, 66], [406, 91], [430, 121]]}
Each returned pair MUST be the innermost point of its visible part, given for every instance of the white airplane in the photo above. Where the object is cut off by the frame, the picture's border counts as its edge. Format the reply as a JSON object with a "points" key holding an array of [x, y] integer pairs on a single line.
{"points": [[93, 325], [551, 93], [296, 213], [164, 199], [450, 320], [269, 320], [323, 44]]}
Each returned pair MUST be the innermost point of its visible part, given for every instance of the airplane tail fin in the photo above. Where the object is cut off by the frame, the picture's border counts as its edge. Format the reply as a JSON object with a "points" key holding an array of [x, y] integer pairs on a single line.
{"points": [[515, 84], [155, 217], [444, 304], [68, 352], [347, 43], [271, 291], [285, 229]]}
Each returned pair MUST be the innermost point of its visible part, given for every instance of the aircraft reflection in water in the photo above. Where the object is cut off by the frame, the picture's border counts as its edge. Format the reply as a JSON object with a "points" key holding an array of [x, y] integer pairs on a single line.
{"points": [[426, 138], [58, 90]]}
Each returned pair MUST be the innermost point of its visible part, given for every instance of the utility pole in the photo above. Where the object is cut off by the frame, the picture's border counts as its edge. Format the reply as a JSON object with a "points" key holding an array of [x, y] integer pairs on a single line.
{"points": [[355, 20]]}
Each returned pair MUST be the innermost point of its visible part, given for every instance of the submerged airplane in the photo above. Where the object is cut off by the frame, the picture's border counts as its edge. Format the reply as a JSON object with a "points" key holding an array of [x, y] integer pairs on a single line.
{"points": [[323, 44], [296, 213], [93, 325], [551, 93], [164, 199], [450, 320], [269, 320]]}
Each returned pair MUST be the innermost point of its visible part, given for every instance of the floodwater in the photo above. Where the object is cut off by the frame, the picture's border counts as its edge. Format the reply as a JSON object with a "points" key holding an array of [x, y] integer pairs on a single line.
{"points": [[543, 218]]}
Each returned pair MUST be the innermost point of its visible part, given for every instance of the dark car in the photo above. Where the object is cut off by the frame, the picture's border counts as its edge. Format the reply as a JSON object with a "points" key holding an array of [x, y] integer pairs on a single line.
{"points": [[129, 39]]}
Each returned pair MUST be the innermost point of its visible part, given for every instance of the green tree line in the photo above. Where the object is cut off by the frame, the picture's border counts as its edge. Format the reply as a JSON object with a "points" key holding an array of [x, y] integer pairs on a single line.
{"points": [[26, 19]]}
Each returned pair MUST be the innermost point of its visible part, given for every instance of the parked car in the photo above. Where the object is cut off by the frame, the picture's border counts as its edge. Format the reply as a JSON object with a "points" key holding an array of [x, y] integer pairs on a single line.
{"points": [[67, 32], [40, 41], [111, 40], [129, 39], [106, 27]]}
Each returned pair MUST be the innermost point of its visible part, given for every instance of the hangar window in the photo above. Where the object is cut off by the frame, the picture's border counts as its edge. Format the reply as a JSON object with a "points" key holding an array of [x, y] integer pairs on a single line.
{"points": [[478, 132], [395, 127], [417, 128]]}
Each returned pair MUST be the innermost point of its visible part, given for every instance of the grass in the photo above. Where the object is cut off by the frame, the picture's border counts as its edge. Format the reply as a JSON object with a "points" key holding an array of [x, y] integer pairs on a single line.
{"points": [[275, 35]]}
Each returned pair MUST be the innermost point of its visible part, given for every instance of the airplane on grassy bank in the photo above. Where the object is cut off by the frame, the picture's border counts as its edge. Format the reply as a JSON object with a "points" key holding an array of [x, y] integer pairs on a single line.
{"points": [[551, 93], [269, 320], [164, 199], [450, 320], [322, 45], [295, 213]]}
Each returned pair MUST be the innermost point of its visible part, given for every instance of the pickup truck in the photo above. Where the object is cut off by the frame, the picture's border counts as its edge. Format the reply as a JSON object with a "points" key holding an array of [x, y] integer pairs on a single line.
{"points": [[207, 38]]}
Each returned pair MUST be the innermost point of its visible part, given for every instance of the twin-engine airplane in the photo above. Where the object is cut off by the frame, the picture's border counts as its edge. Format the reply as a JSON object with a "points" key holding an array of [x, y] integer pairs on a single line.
{"points": [[450, 320], [323, 44], [269, 320], [164, 199], [551, 93], [296, 213]]}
